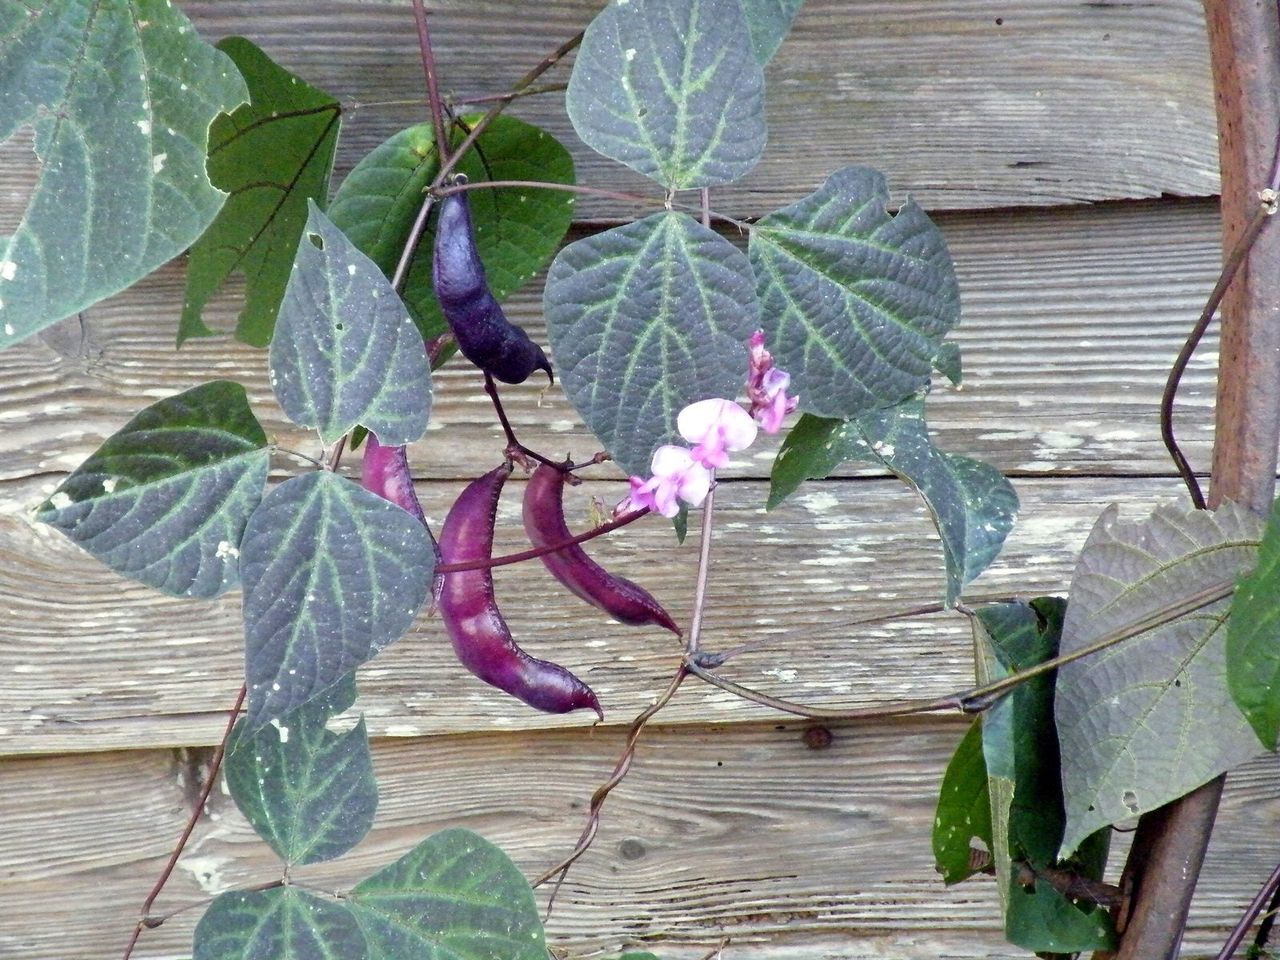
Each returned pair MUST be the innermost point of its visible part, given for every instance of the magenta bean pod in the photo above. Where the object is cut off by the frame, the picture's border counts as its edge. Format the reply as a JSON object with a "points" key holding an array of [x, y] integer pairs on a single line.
{"points": [[481, 638], [484, 334], [545, 525], [385, 471]]}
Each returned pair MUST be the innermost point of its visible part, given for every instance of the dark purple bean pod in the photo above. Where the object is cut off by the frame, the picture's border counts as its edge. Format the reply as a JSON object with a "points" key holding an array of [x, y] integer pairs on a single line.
{"points": [[385, 471], [484, 334], [481, 638], [545, 525]]}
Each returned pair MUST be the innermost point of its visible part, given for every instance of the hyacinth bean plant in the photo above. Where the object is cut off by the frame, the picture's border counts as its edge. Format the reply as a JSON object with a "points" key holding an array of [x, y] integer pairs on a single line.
{"points": [[674, 344]]}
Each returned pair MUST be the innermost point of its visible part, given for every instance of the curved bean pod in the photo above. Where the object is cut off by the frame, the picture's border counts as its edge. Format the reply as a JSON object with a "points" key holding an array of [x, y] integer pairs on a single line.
{"points": [[484, 334], [481, 638], [544, 523], [385, 471]]}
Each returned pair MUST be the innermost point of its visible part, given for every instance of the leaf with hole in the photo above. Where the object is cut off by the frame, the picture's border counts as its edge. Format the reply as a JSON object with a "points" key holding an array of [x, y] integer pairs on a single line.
{"points": [[1149, 719], [964, 810], [1253, 639], [454, 896], [116, 100], [271, 155], [345, 351], [282, 923], [308, 791], [332, 574], [854, 302], [973, 506], [518, 229], [769, 22], [644, 319], [672, 89], [166, 499]]}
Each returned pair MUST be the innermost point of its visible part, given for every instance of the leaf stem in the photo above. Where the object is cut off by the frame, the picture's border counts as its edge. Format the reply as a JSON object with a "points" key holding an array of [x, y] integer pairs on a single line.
{"points": [[145, 920], [433, 80], [532, 91], [1269, 889]]}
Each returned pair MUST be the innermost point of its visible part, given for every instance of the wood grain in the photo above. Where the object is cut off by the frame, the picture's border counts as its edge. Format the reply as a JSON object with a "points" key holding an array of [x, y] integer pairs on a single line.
{"points": [[965, 103], [735, 831], [1071, 319], [94, 662]]}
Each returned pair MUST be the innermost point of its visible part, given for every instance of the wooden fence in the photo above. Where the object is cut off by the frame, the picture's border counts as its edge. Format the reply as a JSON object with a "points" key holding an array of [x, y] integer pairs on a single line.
{"points": [[1068, 151]]}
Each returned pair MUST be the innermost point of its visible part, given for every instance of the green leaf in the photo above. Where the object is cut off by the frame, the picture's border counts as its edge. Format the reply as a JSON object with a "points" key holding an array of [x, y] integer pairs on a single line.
{"points": [[769, 22], [332, 574], [973, 506], [1149, 719], [283, 923], [119, 97], [1253, 639], [644, 319], [964, 809], [345, 350], [1043, 920], [947, 362], [518, 229], [672, 89], [854, 303], [455, 896], [1019, 740], [307, 791], [271, 156], [166, 499]]}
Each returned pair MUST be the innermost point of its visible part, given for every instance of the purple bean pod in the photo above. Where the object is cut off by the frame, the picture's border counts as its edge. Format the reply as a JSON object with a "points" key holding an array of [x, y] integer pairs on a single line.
{"points": [[385, 471], [481, 638], [484, 334], [545, 525]]}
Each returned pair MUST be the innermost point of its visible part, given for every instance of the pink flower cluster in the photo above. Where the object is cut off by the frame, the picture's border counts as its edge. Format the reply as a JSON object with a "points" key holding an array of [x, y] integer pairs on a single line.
{"points": [[716, 428], [767, 386]]}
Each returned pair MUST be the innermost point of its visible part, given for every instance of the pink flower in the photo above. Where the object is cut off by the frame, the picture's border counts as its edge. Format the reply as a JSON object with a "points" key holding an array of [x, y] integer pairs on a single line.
{"points": [[676, 476], [767, 386], [717, 427]]}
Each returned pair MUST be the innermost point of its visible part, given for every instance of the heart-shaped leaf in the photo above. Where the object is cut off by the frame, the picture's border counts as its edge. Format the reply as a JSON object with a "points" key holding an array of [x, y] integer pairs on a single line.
{"points": [[118, 98], [271, 156], [282, 923], [769, 22], [332, 574], [454, 896], [345, 351], [308, 791], [854, 303], [1253, 639], [671, 88], [972, 504], [1145, 721], [518, 229], [644, 319], [166, 499]]}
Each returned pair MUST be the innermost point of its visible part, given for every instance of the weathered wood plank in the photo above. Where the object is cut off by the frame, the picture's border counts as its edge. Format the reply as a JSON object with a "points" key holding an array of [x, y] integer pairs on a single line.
{"points": [[962, 103], [1071, 319], [739, 832], [94, 662]]}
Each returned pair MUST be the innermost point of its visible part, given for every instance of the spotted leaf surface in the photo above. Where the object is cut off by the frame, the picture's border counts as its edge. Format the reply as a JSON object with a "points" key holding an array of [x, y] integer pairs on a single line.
{"points": [[165, 500], [672, 89], [345, 351], [332, 574], [115, 98]]}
